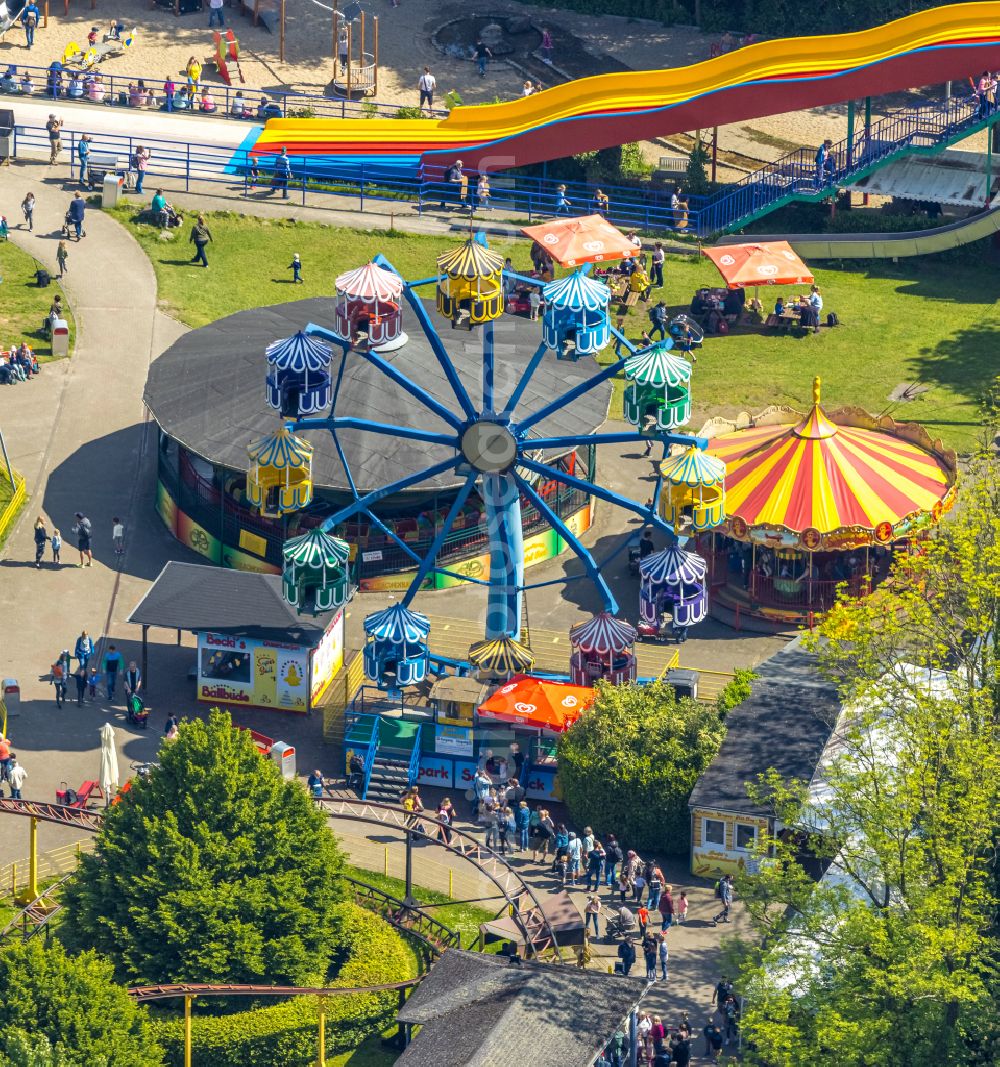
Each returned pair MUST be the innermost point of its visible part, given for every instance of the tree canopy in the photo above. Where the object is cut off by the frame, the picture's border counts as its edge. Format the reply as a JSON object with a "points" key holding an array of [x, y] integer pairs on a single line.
{"points": [[628, 765], [891, 959], [63, 1011], [214, 869]]}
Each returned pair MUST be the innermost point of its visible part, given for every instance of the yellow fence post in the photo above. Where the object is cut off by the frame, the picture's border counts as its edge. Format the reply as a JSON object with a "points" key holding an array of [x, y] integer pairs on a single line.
{"points": [[451, 884], [385, 870], [321, 1059], [187, 1030], [13, 879]]}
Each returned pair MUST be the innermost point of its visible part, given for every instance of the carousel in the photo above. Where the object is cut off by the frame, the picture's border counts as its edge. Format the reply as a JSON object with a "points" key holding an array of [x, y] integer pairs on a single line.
{"points": [[816, 502]]}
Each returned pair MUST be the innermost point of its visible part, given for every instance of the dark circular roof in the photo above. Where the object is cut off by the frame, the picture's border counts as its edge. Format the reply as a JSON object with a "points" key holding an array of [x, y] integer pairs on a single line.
{"points": [[207, 392]]}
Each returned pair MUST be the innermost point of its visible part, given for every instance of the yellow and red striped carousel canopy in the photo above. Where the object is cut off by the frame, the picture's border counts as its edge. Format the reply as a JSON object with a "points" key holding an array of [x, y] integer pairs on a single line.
{"points": [[815, 476]]}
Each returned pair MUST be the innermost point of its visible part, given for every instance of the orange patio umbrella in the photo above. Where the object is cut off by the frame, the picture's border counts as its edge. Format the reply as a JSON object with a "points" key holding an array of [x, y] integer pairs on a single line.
{"points": [[774, 263], [588, 239], [529, 701]]}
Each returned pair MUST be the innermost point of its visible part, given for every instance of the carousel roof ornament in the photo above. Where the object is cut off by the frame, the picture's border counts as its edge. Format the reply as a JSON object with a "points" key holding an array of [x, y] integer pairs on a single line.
{"points": [[281, 450], [316, 551], [501, 655], [299, 353], [658, 367], [576, 292], [693, 467], [370, 282], [398, 625], [603, 634], [470, 261], [814, 475], [673, 566]]}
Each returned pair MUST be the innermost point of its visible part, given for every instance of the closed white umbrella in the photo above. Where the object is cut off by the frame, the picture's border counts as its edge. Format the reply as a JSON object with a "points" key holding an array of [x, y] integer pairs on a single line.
{"points": [[109, 762]]}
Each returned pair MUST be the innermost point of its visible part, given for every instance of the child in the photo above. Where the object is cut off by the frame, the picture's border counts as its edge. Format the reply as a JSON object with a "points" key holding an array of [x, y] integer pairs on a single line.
{"points": [[62, 254], [56, 545], [681, 908], [92, 36], [296, 268], [92, 683], [779, 306], [118, 535], [535, 301]]}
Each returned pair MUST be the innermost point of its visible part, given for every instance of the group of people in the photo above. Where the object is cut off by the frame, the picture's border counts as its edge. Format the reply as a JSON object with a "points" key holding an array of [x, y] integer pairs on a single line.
{"points": [[11, 771], [86, 676], [808, 305], [84, 533], [17, 364]]}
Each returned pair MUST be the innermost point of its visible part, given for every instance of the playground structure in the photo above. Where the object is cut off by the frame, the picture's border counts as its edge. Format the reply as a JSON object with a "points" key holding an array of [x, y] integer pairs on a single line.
{"points": [[762, 79], [227, 50], [816, 503], [497, 452], [355, 69], [112, 47]]}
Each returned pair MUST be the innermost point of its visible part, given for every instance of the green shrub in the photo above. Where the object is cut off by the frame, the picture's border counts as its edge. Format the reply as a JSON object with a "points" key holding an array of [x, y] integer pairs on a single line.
{"points": [[285, 1034], [696, 174], [408, 112]]}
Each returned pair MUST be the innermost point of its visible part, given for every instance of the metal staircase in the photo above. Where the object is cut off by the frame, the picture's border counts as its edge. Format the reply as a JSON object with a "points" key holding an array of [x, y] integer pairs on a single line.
{"points": [[923, 129]]}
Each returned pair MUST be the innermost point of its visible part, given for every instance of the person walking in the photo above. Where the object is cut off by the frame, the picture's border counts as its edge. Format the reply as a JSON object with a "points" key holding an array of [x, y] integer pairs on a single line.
{"points": [[666, 907], [662, 953], [343, 50], [724, 891], [649, 955], [282, 174], [613, 856], [83, 155], [56, 542], [118, 536], [591, 913], [28, 210], [80, 677], [82, 530], [681, 909], [483, 56], [29, 20], [113, 662], [296, 268], [59, 673], [16, 775], [83, 649], [62, 254], [546, 46], [215, 12], [142, 157], [41, 540], [595, 867], [626, 953], [53, 128], [426, 84], [77, 213], [132, 680], [656, 264], [200, 236]]}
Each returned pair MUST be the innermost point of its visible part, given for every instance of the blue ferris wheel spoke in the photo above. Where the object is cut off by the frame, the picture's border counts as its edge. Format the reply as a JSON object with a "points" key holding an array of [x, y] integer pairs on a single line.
{"points": [[488, 366], [625, 343], [569, 396], [583, 554], [416, 391], [440, 352], [365, 502], [427, 563], [608, 559], [645, 513], [391, 534], [348, 422], [624, 437], [533, 365]]}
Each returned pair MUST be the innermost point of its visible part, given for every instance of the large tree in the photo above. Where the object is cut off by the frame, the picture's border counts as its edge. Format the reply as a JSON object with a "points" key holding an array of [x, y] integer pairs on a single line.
{"points": [[214, 869], [62, 1011], [628, 765], [890, 959]]}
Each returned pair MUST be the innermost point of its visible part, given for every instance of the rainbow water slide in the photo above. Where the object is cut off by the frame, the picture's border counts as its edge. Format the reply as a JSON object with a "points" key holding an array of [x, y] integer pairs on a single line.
{"points": [[773, 77]]}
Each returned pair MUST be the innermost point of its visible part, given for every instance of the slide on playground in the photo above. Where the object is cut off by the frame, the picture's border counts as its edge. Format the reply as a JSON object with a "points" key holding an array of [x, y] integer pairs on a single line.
{"points": [[942, 44], [884, 245]]}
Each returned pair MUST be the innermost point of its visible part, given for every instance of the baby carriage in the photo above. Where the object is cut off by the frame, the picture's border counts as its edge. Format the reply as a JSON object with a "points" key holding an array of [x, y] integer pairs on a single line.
{"points": [[136, 712]]}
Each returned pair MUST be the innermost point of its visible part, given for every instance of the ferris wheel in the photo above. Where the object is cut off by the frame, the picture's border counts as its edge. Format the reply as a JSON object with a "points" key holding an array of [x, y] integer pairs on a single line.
{"points": [[490, 444]]}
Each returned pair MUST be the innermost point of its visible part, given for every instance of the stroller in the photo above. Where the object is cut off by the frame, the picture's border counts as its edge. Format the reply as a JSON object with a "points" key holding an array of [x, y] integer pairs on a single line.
{"points": [[136, 712]]}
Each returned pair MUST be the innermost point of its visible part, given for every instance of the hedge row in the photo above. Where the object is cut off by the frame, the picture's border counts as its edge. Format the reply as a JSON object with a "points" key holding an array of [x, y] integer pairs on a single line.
{"points": [[285, 1034]]}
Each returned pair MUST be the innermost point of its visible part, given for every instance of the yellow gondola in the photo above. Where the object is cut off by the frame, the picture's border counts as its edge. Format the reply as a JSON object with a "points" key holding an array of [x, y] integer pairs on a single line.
{"points": [[279, 480], [694, 488], [470, 286]]}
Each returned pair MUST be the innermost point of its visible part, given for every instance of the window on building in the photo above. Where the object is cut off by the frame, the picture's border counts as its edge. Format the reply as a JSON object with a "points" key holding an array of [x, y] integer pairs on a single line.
{"points": [[746, 836], [713, 832]]}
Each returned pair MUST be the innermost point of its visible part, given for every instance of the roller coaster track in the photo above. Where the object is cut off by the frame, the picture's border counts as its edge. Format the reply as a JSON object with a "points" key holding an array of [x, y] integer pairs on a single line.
{"points": [[143, 993], [433, 933], [526, 910], [60, 814], [36, 913]]}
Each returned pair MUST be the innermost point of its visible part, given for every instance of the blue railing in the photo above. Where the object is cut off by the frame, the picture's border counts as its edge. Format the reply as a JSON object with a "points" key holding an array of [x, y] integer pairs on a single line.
{"points": [[923, 127], [370, 758], [414, 770], [352, 720], [121, 91]]}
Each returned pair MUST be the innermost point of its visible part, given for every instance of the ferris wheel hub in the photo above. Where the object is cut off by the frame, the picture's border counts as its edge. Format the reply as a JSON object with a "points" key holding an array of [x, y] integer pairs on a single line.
{"points": [[489, 447]]}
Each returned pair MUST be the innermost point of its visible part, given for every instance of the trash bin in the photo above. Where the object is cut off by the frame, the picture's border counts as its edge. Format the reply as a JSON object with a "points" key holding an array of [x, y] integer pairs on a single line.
{"points": [[12, 696], [60, 338], [685, 682], [111, 189], [284, 755]]}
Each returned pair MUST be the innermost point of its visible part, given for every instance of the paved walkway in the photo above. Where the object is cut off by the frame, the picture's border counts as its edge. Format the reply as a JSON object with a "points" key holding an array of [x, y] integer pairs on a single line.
{"points": [[80, 435]]}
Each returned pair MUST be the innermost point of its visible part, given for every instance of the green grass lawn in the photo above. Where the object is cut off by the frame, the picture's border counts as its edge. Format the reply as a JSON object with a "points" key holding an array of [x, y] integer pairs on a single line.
{"points": [[929, 320], [23, 305]]}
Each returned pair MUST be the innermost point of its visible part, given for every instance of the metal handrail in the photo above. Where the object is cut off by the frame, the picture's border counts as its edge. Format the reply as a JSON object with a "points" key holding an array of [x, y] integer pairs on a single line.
{"points": [[413, 773], [407, 918], [370, 757]]}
